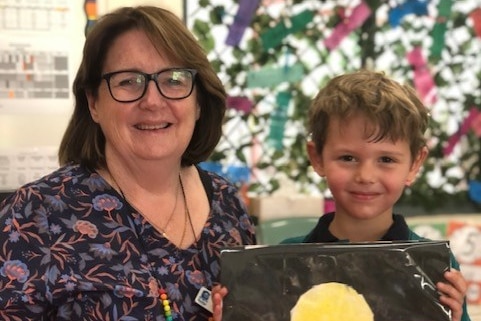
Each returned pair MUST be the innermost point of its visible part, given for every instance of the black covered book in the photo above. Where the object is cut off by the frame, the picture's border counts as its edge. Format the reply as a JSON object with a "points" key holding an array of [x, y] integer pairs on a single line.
{"points": [[379, 281]]}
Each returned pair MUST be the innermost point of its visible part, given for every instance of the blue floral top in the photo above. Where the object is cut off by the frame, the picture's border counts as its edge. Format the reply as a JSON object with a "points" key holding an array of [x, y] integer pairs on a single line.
{"points": [[71, 248]]}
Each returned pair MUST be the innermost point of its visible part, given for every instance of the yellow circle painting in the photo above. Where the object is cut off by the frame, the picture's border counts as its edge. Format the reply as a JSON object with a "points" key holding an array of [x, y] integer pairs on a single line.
{"points": [[331, 301]]}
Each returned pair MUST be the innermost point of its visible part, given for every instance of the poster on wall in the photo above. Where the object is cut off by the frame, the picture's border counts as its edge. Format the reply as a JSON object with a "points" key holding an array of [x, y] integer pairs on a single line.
{"points": [[176, 6], [466, 243], [40, 45]]}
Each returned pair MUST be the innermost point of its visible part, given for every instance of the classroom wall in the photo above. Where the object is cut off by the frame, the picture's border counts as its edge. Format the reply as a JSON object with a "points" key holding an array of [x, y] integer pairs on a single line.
{"points": [[40, 129], [31, 130]]}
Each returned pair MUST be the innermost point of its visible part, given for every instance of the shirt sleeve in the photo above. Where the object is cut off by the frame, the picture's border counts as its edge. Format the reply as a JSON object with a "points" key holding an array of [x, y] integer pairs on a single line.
{"points": [[24, 256]]}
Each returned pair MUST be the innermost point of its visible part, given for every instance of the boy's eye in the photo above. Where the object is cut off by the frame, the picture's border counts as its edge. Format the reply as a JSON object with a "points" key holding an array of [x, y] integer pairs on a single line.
{"points": [[347, 158], [386, 159]]}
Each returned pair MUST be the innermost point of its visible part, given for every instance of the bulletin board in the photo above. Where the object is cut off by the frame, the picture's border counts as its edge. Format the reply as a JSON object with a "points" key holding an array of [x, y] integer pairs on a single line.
{"points": [[40, 50], [274, 55], [40, 47]]}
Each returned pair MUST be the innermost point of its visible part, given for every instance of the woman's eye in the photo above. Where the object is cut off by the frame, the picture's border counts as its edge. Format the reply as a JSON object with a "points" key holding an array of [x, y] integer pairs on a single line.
{"points": [[174, 82], [125, 82], [134, 81], [128, 80]]}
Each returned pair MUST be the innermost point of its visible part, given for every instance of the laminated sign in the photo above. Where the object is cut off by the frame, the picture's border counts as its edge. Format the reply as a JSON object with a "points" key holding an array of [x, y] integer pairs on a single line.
{"points": [[376, 281]]}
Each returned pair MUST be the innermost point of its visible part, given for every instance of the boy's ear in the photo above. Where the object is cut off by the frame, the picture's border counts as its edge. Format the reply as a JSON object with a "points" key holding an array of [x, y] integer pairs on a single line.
{"points": [[315, 158], [416, 165]]}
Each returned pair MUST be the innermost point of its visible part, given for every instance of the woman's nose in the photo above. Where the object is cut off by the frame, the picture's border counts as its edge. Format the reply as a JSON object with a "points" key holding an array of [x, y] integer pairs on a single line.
{"points": [[152, 94]]}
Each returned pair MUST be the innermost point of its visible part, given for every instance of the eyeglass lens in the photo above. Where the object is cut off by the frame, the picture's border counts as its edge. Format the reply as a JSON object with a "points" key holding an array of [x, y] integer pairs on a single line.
{"points": [[128, 86]]}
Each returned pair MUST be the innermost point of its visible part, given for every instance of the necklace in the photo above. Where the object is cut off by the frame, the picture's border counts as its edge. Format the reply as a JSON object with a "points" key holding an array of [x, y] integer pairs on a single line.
{"points": [[163, 229], [163, 296], [159, 228], [187, 212]]}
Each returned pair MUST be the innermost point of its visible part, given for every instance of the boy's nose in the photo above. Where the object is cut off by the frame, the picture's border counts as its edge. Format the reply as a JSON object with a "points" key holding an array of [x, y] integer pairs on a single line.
{"points": [[365, 173]]}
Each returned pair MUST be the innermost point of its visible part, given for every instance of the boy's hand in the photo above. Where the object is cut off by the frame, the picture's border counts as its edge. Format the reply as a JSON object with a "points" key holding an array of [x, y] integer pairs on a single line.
{"points": [[453, 292], [218, 294]]}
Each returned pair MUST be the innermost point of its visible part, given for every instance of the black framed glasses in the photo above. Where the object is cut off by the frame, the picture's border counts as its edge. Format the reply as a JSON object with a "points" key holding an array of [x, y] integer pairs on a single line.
{"points": [[127, 86]]}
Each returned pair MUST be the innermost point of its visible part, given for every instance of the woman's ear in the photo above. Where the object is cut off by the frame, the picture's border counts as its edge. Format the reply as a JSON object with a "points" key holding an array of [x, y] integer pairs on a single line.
{"points": [[197, 112], [315, 158], [416, 165], [92, 101]]}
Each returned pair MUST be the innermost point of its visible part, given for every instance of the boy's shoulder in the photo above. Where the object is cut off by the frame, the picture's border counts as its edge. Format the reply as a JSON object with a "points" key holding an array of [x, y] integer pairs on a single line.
{"points": [[295, 239], [415, 237]]}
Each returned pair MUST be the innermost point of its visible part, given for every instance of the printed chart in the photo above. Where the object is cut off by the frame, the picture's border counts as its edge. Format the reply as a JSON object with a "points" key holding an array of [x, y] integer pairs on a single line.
{"points": [[34, 74], [34, 15], [40, 44]]}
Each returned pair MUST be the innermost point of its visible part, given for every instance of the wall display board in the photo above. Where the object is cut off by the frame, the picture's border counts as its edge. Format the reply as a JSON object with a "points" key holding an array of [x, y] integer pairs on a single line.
{"points": [[464, 234], [40, 47], [273, 56], [40, 44]]}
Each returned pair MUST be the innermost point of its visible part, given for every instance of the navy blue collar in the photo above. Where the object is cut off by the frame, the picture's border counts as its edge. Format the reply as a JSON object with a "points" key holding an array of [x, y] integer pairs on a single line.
{"points": [[399, 230]]}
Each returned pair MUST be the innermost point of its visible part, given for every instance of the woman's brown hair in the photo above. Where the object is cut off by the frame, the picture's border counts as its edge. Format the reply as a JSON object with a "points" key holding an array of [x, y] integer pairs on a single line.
{"points": [[83, 141]]}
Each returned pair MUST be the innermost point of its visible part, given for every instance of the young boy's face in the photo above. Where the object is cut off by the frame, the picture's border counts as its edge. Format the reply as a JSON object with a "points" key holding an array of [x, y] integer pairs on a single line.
{"points": [[366, 178]]}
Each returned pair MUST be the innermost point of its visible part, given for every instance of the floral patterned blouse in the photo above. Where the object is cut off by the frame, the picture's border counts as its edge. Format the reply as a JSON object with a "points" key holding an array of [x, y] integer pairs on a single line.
{"points": [[71, 248]]}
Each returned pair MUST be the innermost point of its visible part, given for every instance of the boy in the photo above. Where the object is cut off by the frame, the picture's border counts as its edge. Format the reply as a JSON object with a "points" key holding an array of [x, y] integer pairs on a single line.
{"points": [[367, 141]]}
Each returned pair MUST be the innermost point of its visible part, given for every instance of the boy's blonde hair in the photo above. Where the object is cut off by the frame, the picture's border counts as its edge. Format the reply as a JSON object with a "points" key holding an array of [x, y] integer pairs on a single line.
{"points": [[394, 111]]}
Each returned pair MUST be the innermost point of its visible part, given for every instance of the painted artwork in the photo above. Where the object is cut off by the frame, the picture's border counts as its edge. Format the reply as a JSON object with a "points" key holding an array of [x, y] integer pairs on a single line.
{"points": [[375, 281]]}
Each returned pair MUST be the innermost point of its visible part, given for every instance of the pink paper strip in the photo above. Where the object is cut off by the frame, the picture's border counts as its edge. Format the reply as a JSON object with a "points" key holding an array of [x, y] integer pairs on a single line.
{"points": [[474, 113], [475, 16], [239, 103], [476, 125], [359, 14], [423, 80]]}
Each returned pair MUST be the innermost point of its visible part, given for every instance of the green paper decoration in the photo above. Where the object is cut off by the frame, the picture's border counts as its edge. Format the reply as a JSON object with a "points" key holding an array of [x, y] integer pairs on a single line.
{"points": [[445, 36], [274, 36]]}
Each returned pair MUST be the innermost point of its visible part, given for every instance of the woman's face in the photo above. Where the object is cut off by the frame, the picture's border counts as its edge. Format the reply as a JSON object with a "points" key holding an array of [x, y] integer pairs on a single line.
{"points": [[152, 128]]}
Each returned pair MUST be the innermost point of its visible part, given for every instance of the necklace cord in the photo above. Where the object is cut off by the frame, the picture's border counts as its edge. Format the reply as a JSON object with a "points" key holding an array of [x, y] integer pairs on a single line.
{"points": [[187, 216], [187, 212], [162, 293]]}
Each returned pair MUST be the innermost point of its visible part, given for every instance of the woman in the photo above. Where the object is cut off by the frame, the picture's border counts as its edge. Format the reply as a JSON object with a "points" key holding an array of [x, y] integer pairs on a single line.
{"points": [[129, 228]]}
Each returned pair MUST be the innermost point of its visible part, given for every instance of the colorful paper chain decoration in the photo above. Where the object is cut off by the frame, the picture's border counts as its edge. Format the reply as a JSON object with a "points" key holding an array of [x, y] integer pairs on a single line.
{"points": [[90, 9]]}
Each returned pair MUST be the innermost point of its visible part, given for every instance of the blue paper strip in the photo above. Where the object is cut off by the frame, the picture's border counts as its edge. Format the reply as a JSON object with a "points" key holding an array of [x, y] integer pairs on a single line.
{"points": [[417, 7], [475, 191]]}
